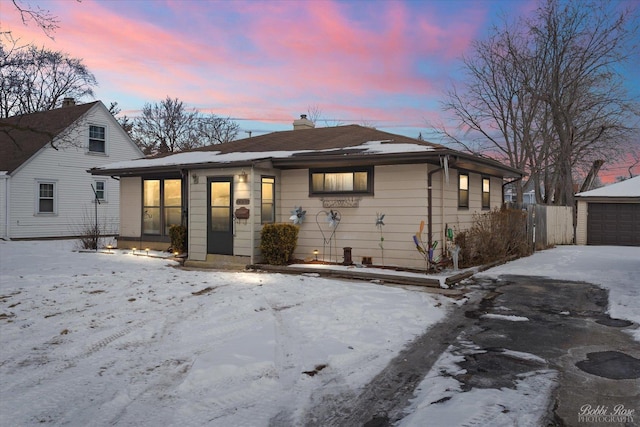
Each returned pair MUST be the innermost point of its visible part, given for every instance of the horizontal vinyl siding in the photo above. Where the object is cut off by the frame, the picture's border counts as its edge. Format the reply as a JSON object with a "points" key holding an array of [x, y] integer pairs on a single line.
{"points": [[130, 207], [400, 192], [67, 167]]}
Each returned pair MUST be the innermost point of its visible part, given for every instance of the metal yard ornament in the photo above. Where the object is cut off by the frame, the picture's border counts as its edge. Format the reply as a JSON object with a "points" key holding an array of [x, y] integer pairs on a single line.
{"points": [[380, 224], [328, 231], [297, 215]]}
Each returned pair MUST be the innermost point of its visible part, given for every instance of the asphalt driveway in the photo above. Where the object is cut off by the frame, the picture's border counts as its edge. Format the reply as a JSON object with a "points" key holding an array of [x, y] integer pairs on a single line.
{"points": [[564, 325]]}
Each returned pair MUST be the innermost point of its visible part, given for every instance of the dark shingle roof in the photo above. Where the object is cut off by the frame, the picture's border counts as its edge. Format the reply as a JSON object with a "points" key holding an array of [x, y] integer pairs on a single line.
{"points": [[314, 139], [22, 136]]}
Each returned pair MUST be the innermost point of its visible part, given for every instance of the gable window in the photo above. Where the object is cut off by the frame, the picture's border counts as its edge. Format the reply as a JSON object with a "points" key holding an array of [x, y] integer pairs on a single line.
{"points": [[46, 202], [268, 206], [463, 190], [486, 193], [97, 139], [162, 205], [100, 190], [341, 181]]}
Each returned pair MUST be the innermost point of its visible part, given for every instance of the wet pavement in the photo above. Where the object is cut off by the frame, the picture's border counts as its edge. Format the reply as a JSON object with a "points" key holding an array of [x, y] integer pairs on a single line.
{"points": [[598, 363], [564, 326]]}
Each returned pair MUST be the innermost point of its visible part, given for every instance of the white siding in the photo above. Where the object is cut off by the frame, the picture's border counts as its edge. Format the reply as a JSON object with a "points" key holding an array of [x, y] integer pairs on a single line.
{"points": [[67, 167]]}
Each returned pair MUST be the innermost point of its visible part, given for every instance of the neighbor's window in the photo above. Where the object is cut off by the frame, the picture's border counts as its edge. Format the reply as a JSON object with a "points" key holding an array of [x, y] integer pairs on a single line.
{"points": [[162, 205], [100, 189], [46, 197], [341, 181], [486, 193], [97, 140], [463, 190], [268, 208]]}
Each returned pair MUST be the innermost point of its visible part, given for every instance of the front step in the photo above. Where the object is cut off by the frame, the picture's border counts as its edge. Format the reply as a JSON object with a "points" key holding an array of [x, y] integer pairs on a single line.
{"points": [[221, 262]]}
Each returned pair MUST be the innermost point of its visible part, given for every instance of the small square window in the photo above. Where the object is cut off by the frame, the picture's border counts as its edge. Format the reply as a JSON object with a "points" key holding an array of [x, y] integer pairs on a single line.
{"points": [[97, 139]]}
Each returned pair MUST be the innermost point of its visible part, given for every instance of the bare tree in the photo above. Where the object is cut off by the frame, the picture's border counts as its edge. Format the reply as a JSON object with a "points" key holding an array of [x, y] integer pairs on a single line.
{"points": [[168, 127], [210, 129], [581, 45], [38, 79], [43, 18], [125, 121], [545, 94]]}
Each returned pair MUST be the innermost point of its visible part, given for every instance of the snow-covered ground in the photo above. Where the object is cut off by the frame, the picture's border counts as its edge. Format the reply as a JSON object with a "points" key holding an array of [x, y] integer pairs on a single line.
{"points": [[117, 339], [103, 339]]}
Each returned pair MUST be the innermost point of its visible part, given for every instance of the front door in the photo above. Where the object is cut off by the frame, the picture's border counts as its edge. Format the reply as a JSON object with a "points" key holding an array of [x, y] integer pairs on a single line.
{"points": [[220, 216]]}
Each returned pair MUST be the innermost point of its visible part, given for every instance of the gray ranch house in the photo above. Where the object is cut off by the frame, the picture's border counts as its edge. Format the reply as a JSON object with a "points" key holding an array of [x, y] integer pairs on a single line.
{"points": [[346, 187]]}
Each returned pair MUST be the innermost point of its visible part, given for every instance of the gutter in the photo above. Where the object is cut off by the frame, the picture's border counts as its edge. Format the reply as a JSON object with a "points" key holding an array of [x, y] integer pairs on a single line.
{"points": [[5, 178]]}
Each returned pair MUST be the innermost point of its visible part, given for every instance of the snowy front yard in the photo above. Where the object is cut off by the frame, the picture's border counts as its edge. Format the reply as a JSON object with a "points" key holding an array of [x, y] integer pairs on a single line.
{"points": [[102, 339], [117, 339]]}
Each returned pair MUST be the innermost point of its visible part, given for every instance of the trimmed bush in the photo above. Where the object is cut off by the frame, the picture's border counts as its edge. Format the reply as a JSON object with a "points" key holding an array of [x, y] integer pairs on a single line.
{"points": [[178, 235], [277, 243], [494, 235]]}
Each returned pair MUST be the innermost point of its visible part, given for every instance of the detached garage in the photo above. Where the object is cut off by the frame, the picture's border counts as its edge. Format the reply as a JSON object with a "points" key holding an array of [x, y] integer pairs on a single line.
{"points": [[610, 215]]}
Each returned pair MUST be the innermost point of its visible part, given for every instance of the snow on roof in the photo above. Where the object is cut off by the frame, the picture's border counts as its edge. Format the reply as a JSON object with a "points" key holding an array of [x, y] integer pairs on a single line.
{"points": [[199, 157], [627, 188]]}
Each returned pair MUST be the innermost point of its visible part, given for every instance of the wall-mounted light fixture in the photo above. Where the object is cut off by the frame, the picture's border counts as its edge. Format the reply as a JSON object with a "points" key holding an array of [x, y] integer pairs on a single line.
{"points": [[242, 177], [194, 178]]}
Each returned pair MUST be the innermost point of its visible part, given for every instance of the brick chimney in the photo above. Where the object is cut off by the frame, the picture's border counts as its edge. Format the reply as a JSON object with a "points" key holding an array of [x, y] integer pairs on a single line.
{"points": [[68, 102], [303, 123]]}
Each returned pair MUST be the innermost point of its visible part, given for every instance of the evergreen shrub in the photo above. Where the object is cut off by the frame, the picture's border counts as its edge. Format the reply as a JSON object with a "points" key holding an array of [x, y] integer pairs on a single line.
{"points": [[178, 235], [278, 242]]}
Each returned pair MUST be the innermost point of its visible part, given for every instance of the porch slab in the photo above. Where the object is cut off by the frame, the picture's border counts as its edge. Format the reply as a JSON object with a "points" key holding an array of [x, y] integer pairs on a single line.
{"points": [[221, 262]]}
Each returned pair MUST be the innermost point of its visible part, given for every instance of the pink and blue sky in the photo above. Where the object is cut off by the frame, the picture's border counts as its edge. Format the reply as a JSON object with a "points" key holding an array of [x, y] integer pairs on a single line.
{"points": [[263, 63]]}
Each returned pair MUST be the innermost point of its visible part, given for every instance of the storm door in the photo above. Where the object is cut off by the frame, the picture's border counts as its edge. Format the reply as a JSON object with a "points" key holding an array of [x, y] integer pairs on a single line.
{"points": [[220, 216]]}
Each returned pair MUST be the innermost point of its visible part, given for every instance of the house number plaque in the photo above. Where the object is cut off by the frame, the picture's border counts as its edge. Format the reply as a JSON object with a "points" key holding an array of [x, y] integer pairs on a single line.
{"points": [[243, 202]]}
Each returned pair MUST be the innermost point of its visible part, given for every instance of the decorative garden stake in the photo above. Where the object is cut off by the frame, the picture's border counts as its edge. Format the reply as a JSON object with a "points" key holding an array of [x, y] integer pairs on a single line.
{"points": [[424, 249], [380, 224], [333, 221], [297, 215]]}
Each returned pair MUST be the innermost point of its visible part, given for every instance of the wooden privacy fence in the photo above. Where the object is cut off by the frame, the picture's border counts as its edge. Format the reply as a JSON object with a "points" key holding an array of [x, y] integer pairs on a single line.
{"points": [[550, 225]]}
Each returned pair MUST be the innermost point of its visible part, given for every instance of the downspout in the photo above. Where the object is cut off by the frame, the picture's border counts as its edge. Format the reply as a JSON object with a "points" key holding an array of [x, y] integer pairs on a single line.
{"points": [[6, 208], [429, 207], [252, 231]]}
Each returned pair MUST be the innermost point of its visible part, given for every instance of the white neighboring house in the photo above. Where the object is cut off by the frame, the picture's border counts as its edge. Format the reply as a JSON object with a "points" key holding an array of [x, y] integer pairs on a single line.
{"points": [[45, 190]]}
